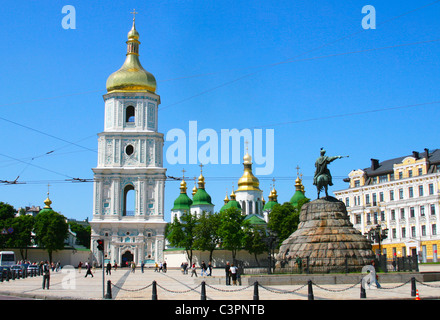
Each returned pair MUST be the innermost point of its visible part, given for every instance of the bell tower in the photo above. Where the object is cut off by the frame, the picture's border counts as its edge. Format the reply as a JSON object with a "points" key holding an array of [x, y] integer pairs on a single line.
{"points": [[129, 179]]}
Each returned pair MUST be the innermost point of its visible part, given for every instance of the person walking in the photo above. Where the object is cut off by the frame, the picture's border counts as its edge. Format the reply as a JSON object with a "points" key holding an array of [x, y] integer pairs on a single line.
{"points": [[193, 270], [79, 267], [142, 267], [210, 269], [203, 269], [228, 274], [89, 270], [46, 275], [108, 269], [233, 271]]}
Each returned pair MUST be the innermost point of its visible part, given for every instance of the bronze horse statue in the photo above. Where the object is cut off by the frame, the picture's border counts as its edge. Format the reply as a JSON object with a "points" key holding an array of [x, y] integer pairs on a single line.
{"points": [[323, 178]]}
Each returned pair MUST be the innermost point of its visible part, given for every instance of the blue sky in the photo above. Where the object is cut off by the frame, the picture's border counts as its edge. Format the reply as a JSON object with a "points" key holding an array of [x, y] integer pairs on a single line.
{"points": [[216, 63]]}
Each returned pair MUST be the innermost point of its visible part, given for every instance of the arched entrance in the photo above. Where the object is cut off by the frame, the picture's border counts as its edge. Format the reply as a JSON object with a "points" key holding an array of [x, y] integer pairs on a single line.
{"points": [[126, 258]]}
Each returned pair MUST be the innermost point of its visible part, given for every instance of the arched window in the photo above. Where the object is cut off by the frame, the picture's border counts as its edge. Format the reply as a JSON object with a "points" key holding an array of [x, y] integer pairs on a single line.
{"points": [[129, 114], [129, 201]]}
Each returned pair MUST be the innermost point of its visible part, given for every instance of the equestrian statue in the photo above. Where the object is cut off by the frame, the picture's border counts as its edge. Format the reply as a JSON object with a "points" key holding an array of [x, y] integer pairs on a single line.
{"points": [[323, 178]]}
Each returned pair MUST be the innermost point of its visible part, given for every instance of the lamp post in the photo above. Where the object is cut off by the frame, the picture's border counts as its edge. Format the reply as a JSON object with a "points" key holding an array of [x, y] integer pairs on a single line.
{"points": [[270, 239]]}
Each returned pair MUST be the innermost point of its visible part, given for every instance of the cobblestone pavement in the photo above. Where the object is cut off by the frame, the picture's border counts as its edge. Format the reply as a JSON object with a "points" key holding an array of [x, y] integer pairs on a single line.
{"points": [[125, 285]]}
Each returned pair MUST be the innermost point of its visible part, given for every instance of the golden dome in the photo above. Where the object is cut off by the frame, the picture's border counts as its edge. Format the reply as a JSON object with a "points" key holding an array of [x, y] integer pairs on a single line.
{"points": [[248, 181], [183, 186], [47, 202], [131, 76]]}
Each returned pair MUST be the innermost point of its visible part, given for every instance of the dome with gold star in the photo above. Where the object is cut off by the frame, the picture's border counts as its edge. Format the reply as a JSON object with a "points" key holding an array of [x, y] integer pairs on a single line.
{"points": [[131, 76]]}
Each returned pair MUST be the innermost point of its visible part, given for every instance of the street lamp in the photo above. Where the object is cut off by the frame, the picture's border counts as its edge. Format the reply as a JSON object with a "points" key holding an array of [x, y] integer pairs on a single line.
{"points": [[270, 239]]}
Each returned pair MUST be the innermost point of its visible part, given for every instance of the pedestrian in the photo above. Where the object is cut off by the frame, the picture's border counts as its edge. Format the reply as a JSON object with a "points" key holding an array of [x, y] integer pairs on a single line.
{"points": [[228, 274], [193, 270], [165, 267], [210, 269], [133, 266], [108, 269], [46, 275], [203, 269], [233, 270], [115, 266], [89, 270], [376, 277], [142, 266], [79, 266], [156, 268]]}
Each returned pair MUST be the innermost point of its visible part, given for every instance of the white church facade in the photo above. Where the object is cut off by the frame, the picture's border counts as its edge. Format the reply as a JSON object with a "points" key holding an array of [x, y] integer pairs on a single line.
{"points": [[129, 179]]}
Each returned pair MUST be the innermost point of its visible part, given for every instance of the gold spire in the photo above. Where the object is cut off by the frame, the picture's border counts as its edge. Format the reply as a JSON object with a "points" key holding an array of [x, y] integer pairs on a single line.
{"points": [[226, 200], [248, 181], [298, 181], [201, 178], [47, 202], [273, 192], [131, 76], [194, 190], [183, 183], [232, 194]]}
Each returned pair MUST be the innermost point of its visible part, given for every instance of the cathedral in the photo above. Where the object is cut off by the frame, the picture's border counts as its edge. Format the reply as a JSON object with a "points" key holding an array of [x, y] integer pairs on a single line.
{"points": [[248, 197], [129, 179]]}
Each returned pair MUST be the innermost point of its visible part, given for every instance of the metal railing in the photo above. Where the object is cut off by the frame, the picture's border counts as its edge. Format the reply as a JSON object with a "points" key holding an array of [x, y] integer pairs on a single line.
{"points": [[256, 286], [337, 265]]}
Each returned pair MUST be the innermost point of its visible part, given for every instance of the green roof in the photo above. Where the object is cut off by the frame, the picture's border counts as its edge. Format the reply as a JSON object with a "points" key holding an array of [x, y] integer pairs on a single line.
{"points": [[201, 197], [255, 219], [269, 205], [183, 202], [296, 197], [231, 204]]}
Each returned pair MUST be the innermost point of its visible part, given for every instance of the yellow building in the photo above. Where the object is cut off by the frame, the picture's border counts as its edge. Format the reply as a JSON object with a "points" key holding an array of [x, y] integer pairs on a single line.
{"points": [[402, 196]]}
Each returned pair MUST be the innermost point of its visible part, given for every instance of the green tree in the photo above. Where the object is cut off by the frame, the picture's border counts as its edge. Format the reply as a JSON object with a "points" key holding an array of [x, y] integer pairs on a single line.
{"points": [[7, 214], [21, 238], [253, 240], [83, 234], [284, 220], [50, 231], [181, 233], [231, 230], [206, 235]]}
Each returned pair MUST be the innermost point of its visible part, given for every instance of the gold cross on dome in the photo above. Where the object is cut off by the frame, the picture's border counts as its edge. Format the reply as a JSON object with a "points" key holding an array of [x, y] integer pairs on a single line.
{"points": [[183, 173], [134, 14], [297, 170], [201, 167]]}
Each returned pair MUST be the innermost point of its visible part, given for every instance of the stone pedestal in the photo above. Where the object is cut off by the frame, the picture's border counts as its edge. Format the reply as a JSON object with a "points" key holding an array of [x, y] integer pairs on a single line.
{"points": [[326, 238]]}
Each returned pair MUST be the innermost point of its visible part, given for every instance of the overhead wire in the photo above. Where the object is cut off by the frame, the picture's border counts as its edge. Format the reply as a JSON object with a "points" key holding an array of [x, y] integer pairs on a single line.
{"points": [[261, 68]]}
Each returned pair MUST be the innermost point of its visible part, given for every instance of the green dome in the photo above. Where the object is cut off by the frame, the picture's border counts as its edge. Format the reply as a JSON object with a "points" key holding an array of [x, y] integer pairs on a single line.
{"points": [[255, 219], [296, 197], [201, 197], [183, 202], [269, 205], [231, 204]]}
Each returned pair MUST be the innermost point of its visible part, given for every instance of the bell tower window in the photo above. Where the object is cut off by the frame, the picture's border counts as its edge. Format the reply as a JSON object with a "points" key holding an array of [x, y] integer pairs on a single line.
{"points": [[129, 114], [129, 201]]}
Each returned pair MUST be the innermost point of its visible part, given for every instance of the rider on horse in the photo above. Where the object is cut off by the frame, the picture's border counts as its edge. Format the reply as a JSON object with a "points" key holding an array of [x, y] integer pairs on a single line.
{"points": [[323, 178]]}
